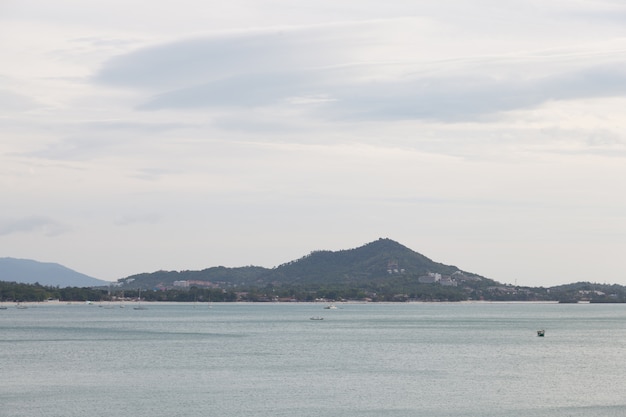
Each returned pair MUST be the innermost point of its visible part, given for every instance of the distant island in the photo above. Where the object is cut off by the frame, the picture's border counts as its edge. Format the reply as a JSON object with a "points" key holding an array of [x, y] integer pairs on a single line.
{"points": [[382, 270]]}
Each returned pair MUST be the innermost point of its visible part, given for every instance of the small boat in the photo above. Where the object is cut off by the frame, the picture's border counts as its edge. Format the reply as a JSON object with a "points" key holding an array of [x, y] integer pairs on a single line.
{"points": [[541, 333], [317, 318], [139, 306], [331, 307]]}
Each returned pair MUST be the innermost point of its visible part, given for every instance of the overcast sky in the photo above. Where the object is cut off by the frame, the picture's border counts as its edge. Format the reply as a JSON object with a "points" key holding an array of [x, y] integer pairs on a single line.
{"points": [[138, 135]]}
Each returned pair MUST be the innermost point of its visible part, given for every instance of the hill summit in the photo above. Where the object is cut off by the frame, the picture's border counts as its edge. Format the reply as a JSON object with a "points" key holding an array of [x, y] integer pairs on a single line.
{"points": [[376, 260]]}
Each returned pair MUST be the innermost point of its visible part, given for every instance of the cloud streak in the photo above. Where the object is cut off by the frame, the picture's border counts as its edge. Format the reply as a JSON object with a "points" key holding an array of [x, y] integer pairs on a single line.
{"points": [[432, 98], [194, 61], [472, 98], [254, 70]]}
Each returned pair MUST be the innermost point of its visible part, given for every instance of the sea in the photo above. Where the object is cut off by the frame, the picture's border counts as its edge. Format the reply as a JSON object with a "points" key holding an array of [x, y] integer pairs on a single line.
{"points": [[272, 359]]}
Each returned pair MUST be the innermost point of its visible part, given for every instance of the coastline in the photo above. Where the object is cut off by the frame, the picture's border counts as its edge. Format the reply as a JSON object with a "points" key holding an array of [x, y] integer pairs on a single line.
{"points": [[96, 304]]}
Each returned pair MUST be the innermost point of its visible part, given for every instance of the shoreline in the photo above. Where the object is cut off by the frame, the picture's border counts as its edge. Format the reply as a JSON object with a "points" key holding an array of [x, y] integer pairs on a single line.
{"points": [[56, 303]]}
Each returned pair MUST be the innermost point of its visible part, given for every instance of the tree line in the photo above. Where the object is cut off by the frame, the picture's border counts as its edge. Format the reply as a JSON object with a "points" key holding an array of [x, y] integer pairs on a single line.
{"points": [[380, 291]]}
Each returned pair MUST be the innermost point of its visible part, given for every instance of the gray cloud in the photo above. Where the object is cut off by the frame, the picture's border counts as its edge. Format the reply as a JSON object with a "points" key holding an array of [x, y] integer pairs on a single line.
{"points": [[453, 98], [471, 97], [40, 224], [198, 61], [262, 69], [241, 91]]}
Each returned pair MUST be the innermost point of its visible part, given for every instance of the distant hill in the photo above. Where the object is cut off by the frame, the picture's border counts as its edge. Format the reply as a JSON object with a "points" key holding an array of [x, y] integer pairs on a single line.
{"points": [[27, 271], [375, 261], [382, 270], [380, 261]]}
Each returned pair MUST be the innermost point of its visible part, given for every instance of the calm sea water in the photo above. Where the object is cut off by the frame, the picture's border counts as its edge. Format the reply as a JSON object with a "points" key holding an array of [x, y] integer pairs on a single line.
{"points": [[440, 359]]}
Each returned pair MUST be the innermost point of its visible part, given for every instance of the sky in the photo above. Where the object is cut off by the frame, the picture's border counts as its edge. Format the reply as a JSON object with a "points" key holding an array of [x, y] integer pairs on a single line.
{"points": [[138, 136]]}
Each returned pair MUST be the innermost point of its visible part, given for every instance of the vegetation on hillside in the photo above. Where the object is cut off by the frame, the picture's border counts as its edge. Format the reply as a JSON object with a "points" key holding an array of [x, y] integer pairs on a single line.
{"points": [[397, 292], [382, 270]]}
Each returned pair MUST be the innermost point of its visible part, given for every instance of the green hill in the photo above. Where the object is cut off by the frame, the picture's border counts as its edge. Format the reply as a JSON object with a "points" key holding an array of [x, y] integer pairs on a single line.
{"points": [[382, 270], [374, 262], [381, 262]]}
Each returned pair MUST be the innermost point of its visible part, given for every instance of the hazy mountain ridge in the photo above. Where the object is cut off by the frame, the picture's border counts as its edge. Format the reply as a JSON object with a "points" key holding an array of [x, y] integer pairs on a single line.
{"points": [[27, 271]]}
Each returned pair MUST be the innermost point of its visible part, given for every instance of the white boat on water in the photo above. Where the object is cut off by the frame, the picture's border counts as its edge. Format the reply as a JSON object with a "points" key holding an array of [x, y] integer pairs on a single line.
{"points": [[139, 306], [331, 307]]}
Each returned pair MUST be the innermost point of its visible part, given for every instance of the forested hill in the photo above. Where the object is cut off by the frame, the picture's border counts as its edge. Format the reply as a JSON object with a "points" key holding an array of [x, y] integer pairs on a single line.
{"points": [[375, 261], [383, 260], [218, 275], [382, 270]]}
